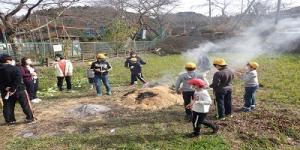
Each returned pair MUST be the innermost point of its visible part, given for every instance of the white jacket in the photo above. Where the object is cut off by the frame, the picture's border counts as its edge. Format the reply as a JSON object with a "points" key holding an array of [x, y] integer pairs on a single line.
{"points": [[68, 69], [202, 101]]}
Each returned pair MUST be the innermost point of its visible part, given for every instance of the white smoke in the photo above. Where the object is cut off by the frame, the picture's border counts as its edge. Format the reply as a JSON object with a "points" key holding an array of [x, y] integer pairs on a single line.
{"points": [[264, 38]]}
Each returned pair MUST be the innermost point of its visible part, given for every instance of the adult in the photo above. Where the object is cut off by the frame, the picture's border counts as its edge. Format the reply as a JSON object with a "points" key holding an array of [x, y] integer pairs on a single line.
{"points": [[13, 90], [101, 68], [222, 86], [64, 70], [30, 79]]}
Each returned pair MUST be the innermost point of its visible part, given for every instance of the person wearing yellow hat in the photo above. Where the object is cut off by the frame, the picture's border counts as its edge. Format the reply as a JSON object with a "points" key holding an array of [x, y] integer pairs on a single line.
{"points": [[136, 71], [182, 86], [222, 86], [101, 67], [133, 54], [251, 85]]}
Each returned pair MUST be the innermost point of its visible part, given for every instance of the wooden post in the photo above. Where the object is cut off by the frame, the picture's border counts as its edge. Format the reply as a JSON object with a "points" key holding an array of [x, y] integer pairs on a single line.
{"points": [[278, 11]]}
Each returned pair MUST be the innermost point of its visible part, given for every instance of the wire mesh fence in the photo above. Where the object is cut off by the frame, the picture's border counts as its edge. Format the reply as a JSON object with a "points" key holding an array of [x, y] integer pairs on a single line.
{"points": [[42, 51]]}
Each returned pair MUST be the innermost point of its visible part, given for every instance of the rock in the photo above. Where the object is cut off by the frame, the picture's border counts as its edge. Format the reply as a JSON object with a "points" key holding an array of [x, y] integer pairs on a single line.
{"points": [[28, 135], [90, 110]]}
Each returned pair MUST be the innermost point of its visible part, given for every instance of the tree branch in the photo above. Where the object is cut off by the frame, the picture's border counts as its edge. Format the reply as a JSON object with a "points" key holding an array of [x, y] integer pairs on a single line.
{"points": [[17, 9], [29, 12]]}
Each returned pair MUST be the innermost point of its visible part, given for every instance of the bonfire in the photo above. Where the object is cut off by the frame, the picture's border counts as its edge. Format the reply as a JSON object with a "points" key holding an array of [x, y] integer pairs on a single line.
{"points": [[152, 98]]}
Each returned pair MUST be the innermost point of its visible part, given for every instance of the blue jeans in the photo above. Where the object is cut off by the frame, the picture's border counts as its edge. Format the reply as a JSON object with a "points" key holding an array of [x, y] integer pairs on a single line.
{"points": [[98, 83], [224, 103], [249, 97]]}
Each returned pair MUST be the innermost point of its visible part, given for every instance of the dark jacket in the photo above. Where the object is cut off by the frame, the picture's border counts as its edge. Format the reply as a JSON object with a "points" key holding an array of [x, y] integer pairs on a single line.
{"points": [[135, 68], [10, 76], [222, 80], [104, 67], [128, 62], [26, 74]]}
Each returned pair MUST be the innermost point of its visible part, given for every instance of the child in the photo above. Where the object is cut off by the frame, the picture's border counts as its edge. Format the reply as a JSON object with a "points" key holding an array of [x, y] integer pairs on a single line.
{"points": [[187, 91], [222, 86], [101, 68], [90, 75], [251, 85], [136, 71], [200, 107]]}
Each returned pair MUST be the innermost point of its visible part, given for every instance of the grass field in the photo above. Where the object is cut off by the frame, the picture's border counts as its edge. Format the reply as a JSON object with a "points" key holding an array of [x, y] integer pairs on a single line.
{"points": [[275, 125]]}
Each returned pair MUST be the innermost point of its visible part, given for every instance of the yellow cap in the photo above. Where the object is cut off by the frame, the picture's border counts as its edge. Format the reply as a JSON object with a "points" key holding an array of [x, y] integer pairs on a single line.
{"points": [[190, 65], [219, 61], [101, 56], [253, 64], [133, 59]]}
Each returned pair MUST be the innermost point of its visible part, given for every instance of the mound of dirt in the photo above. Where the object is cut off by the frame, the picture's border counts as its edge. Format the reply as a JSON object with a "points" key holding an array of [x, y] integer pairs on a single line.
{"points": [[151, 98]]}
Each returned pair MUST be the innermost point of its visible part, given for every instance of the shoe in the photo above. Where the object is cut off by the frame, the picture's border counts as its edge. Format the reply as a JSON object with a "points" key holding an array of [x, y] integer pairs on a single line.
{"points": [[108, 93], [222, 119], [193, 135], [11, 123], [145, 84], [70, 91], [230, 116], [245, 109], [30, 121], [36, 100], [99, 94], [215, 130]]}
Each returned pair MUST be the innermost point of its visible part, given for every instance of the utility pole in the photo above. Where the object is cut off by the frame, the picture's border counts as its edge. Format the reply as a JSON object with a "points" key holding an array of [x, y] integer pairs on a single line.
{"points": [[278, 11], [210, 15], [242, 6]]}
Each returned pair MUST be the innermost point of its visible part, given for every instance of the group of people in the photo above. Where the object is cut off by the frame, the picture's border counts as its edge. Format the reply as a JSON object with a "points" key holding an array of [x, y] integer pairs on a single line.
{"points": [[193, 87]]}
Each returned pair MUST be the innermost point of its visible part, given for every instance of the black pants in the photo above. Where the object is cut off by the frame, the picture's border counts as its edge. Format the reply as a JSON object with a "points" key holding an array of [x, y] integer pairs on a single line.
{"points": [[198, 119], [9, 105], [224, 103], [29, 88], [187, 97], [60, 81], [135, 76], [35, 87]]}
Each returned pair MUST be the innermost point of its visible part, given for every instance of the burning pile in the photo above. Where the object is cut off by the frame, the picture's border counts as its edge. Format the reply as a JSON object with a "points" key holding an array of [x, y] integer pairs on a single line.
{"points": [[153, 98]]}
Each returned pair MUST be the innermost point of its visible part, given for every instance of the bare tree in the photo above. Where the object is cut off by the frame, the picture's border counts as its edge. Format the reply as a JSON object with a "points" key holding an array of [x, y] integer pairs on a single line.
{"points": [[155, 9], [11, 21], [222, 5]]}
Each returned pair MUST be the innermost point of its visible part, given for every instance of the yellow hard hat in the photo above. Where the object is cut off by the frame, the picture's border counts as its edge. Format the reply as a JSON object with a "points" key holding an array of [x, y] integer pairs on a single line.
{"points": [[133, 59], [253, 64], [101, 56], [219, 61], [190, 65]]}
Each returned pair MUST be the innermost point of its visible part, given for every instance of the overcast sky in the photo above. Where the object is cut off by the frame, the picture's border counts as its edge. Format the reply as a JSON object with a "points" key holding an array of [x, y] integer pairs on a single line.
{"points": [[200, 6]]}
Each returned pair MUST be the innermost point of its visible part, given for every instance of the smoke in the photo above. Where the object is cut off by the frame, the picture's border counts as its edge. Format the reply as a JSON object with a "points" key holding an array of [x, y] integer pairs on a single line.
{"points": [[263, 38]]}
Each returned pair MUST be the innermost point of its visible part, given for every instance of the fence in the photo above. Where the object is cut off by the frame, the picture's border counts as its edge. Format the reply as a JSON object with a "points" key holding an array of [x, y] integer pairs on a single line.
{"points": [[42, 51]]}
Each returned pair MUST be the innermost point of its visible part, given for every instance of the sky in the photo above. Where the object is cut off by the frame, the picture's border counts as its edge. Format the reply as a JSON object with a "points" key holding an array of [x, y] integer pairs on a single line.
{"points": [[200, 6]]}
